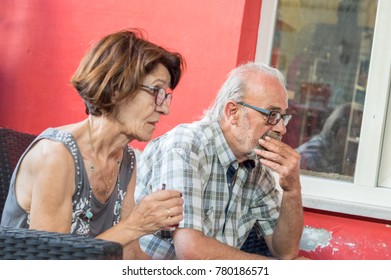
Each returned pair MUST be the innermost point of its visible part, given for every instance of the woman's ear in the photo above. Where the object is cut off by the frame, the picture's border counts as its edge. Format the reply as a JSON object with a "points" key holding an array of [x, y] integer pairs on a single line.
{"points": [[114, 97]]}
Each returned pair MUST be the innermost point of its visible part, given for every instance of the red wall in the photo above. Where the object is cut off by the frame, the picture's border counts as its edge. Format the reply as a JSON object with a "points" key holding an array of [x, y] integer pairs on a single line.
{"points": [[41, 43]]}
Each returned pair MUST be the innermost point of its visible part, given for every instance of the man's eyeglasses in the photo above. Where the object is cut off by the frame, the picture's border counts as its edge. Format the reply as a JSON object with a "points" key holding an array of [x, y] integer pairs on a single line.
{"points": [[160, 94], [273, 117]]}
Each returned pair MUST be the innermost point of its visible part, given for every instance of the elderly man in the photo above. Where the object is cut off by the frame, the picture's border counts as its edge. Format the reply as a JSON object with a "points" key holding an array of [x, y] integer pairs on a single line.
{"points": [[223, 166]]}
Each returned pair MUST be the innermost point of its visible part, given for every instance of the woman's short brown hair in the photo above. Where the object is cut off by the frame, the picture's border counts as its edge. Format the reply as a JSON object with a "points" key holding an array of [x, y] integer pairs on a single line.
{"points": [[117, 64]]}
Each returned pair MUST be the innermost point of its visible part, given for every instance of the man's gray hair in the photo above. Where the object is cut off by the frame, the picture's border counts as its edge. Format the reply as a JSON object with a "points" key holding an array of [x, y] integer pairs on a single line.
{"points": [[235, 85]]}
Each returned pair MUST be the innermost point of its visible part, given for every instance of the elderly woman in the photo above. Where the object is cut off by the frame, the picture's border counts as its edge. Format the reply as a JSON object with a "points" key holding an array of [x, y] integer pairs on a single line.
{"points": [[80, 178]]}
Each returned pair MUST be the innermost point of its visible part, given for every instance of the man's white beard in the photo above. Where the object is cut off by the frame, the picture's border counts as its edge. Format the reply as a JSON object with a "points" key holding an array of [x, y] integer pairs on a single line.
{"points": [[252, 155]]}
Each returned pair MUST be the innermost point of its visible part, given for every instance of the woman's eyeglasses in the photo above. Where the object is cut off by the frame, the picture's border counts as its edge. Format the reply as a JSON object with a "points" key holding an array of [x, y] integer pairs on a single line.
{"points": [[161, 95]]}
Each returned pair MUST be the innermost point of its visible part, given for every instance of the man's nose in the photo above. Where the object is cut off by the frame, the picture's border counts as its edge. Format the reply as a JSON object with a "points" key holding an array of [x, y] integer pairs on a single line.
{"points": [[280, 127]]}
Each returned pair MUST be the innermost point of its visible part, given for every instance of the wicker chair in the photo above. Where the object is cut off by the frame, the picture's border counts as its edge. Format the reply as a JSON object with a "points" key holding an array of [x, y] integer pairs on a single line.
{"points": [[16, 243], [12, 145]]}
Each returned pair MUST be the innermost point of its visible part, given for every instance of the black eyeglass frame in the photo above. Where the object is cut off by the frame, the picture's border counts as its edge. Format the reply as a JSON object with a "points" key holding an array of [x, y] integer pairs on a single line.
{"points": [[278, 116], [160, 94]]}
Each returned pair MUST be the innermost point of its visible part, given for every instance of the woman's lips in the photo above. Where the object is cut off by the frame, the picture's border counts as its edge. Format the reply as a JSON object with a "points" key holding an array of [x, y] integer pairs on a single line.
{"points": [[153, 123]]}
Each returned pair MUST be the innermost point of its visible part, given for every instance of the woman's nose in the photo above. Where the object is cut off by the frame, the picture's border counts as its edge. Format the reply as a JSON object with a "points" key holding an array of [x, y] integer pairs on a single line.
{"points": [[164, 108]]}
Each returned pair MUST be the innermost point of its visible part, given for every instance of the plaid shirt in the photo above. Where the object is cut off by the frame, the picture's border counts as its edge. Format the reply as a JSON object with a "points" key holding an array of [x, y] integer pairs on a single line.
{"points": [[194, 158]]}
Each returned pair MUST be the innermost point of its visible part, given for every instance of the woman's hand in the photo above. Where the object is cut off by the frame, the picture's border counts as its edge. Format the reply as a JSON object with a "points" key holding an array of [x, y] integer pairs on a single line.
{"points": [[159, 210]]}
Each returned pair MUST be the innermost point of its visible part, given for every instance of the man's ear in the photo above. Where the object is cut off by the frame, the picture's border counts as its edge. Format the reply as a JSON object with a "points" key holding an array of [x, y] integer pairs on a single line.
{"points": [[231, 112]]}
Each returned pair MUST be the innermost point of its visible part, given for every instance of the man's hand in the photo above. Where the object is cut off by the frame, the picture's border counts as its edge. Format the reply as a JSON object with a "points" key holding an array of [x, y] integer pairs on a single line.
{"points": [[284, 160]]}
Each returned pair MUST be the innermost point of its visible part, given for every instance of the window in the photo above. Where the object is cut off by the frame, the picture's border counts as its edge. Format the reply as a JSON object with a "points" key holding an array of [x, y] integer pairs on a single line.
{"points": [[336, 57]]}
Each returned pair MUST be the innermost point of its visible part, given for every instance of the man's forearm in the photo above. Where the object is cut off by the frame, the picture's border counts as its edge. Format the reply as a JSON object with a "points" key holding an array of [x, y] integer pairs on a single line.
{"points": [[191, 244], [287, 234]]}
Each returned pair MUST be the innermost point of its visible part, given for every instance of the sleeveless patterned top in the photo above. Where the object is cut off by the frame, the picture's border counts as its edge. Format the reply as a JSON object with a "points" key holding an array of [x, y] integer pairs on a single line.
{"points": [[104, 214]]}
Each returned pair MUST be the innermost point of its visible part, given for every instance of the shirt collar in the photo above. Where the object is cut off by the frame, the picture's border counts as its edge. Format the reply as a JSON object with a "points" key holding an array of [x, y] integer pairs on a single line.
{"points": [[249, 164]]}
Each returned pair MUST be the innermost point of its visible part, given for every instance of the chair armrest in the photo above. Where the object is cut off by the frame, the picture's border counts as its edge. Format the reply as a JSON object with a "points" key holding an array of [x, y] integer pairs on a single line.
{"points": [[18, 243]]}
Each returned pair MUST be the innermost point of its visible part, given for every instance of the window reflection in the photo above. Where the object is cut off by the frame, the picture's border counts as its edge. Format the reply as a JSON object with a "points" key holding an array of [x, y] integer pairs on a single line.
{"points": [[323, 47], [325, 152]]}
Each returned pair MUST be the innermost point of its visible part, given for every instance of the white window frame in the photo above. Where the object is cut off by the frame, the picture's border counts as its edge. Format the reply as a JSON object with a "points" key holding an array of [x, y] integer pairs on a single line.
{"points": [[369, 194]]}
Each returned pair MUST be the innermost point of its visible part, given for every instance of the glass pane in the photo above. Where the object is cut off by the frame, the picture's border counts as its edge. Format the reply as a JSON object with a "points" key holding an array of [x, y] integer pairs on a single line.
{"points": [[323, 47]]}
